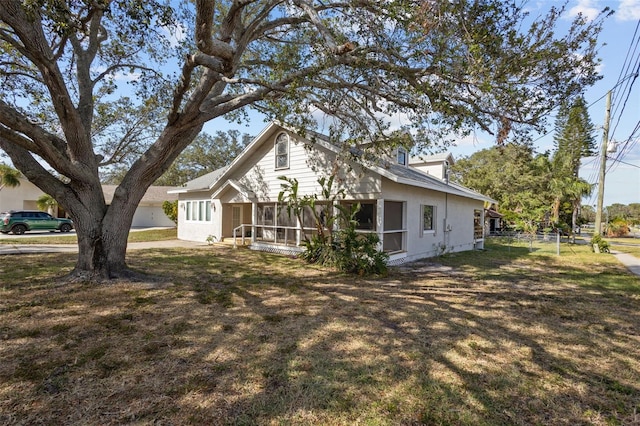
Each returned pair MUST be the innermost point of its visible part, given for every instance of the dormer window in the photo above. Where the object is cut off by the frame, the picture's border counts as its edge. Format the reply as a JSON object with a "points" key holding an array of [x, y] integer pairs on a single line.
{"points": [[282, 151], [402, 156]]}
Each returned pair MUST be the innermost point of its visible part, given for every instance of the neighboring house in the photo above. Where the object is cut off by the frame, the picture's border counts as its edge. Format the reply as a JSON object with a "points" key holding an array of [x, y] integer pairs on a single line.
{"points": [[148, 214], [493, 221], [412, 207]]}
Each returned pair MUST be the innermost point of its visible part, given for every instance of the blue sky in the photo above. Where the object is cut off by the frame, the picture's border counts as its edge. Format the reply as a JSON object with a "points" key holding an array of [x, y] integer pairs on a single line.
{"points": [[621, 56]]}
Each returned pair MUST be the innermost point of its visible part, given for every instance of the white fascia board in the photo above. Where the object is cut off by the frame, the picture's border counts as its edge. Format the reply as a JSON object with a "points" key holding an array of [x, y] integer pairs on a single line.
{"points": [[250, 195], [177, 191]]}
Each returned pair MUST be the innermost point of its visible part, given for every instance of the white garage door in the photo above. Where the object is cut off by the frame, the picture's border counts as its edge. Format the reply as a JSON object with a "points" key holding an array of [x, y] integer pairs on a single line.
{"points": [[150, 216]]}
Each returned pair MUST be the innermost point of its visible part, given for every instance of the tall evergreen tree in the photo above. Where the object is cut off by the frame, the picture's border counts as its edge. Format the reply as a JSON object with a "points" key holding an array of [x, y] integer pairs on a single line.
{"points": [[574, 139]]}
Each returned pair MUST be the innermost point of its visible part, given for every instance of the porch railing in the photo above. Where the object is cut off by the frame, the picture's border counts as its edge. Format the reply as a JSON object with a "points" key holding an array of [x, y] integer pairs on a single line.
{"points": [[288, 235], [277, 234]]}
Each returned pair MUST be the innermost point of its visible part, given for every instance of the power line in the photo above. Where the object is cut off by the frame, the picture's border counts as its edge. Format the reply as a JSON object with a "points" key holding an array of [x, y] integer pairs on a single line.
{"points": [[628, 164], [624, 70]]}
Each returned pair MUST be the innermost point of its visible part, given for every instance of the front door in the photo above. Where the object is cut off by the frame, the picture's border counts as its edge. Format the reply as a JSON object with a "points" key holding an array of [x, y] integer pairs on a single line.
{"points": [[236, 216]]}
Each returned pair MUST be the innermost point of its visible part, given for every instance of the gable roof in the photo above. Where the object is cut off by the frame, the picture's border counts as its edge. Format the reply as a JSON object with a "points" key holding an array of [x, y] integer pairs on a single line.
{"points": [[414, 177], [401, 174], [200, 183], [246, 193]]}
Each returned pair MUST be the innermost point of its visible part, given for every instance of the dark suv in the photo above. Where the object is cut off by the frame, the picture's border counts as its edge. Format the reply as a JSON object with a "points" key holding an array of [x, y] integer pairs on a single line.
{"points": [[20, 221]]}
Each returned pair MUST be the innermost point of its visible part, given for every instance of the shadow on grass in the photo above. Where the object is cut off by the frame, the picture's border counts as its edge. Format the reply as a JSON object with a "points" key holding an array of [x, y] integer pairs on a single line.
{"points": [[251, 338]]}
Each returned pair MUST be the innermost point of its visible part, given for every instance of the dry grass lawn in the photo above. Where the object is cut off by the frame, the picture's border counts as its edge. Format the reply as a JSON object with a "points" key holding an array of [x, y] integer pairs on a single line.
{"points": [[500, 337]]}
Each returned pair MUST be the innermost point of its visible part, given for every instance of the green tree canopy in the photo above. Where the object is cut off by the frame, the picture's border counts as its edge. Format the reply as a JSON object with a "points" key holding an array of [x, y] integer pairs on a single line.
{"points": [[87, 83], [514, 175], [205, 154]]}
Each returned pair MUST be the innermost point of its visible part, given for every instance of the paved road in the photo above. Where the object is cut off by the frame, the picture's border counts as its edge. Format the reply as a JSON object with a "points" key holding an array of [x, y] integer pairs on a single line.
{"points": [[32, 234]]}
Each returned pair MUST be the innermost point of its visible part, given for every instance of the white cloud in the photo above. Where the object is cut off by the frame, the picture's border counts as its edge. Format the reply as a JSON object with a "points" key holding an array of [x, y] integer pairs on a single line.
{"points": [[628, 10], [175, 35], [587, 8]]}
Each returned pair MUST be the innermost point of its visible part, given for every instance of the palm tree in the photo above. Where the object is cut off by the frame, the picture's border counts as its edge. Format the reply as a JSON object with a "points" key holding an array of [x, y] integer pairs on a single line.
{"points": [[578, 189], [9, 177], [46, 202], [560, 188]]}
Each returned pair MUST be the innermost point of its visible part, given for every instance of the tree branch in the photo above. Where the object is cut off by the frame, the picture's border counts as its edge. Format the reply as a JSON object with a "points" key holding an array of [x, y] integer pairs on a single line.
{"points": [[28, 29], [46, 145], [204, 32]]}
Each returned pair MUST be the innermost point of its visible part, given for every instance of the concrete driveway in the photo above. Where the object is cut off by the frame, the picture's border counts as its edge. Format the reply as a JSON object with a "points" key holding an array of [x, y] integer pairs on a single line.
{"points": [[73, 248]]}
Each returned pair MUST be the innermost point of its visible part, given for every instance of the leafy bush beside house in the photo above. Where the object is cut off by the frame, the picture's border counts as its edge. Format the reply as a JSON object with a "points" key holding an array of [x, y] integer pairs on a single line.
{"points": [[170, 208], [343, 248]]}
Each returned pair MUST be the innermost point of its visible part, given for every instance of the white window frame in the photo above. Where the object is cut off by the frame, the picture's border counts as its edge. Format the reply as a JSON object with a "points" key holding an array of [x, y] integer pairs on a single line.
{"points": [[402, 231], [198, 211], [279, 140], [423, 230], [405, 156]]}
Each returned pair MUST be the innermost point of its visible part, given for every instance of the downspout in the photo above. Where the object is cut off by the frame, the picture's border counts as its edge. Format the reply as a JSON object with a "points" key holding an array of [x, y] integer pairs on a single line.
{"points": [[447, 228], [445, 234], [380, 223]]}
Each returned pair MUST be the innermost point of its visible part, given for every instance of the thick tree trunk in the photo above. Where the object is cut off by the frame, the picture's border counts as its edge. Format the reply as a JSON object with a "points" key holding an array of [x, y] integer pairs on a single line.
{"points": [[101, 254], [103, 229], [102, 245]]}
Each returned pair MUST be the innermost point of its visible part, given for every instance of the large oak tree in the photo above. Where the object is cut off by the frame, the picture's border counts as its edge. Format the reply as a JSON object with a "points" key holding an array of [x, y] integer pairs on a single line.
{"points": [[447, 66]]}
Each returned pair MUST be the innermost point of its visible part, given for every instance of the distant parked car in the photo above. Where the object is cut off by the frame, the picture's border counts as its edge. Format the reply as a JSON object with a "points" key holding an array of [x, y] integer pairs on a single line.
{"points": [[21, 221]]}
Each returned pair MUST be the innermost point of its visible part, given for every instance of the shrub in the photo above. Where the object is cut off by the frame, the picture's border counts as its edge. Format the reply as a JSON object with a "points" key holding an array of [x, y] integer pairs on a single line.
{"points": [[618, 227], [344, 248], [358, 253], [170, 208], [347, 251], [603, 246]]}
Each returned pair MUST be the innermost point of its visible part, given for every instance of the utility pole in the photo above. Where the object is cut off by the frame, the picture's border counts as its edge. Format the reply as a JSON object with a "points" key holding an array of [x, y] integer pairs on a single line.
{"points": [[603, 166]]}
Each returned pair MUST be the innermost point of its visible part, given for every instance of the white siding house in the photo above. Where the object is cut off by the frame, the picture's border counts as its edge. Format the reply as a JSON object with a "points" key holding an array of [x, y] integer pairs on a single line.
{"points": [[415, 211]]}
